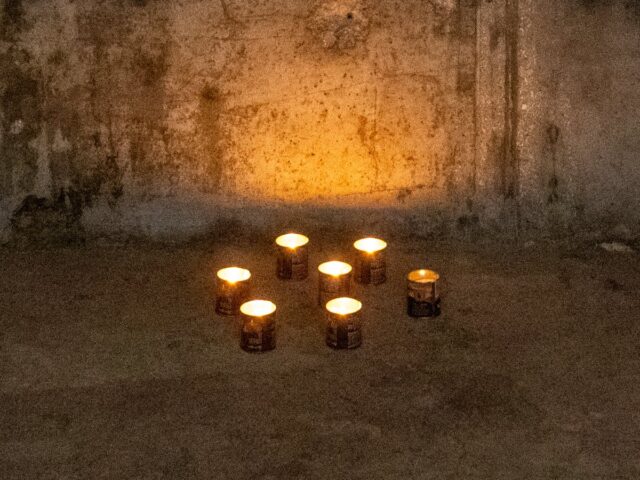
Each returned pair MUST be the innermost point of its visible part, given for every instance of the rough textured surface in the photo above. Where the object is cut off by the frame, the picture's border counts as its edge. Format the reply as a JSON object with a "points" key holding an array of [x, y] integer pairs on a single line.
{"points": [[114, 365], [444, 117], [578, 137]]}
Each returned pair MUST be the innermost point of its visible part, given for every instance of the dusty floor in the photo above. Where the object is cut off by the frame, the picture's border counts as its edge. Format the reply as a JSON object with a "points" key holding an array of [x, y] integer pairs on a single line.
{"points": [[113, 365]]}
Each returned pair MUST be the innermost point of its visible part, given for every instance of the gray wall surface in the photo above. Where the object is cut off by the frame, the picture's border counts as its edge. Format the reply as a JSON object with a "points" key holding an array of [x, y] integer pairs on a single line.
{"points": [[579, 105], [441, 117]]}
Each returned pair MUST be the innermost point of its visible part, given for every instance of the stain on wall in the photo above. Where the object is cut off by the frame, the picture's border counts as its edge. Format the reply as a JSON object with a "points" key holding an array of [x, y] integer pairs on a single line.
{"points": [[339, 25], [210, 131], [22, 112], [20, 104]]}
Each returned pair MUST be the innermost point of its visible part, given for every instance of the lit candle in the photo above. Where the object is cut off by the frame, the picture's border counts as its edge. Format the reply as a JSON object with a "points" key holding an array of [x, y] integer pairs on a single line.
{"points": [[232, 288], [258, 332], [423, 298], [344, 326], [370, 266], [293, 258], [334, 281]]}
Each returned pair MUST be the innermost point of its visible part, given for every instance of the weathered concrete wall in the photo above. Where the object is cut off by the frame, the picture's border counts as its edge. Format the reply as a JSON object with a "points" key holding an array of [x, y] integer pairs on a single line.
{"points": [[579, 129], [440, 116]]}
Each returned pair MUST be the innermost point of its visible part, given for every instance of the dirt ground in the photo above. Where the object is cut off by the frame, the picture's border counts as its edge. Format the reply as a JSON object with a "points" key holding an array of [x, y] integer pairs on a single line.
{"points": [[114, 365]]}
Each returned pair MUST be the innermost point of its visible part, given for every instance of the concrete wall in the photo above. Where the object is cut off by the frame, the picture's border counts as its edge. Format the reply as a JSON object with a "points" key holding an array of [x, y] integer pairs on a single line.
{"points": [[435, 117], [579, 126]]}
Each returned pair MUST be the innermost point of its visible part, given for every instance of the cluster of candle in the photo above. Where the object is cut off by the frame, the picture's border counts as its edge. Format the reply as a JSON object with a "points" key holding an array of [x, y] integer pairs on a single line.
{"points": [[343, 324]]}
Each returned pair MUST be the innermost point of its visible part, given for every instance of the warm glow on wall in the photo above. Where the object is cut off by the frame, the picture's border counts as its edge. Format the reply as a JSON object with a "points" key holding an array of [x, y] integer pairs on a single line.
{"points": [[355, 145]]}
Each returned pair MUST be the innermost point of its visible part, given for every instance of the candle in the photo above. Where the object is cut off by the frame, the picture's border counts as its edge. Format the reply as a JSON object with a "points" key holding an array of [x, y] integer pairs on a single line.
{"points": [[232, 288], [344, 327], [258, 332], [334, 281], [293, 258], [423, 298], [370, 266]]}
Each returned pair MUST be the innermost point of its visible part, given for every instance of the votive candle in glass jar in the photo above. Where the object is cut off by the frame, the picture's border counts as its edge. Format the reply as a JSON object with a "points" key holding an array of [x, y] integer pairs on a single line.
{"points": [[334, 281], [258, 333], [344, 325], [370, 265], [232, 289], [293, 256], [423, 297]]}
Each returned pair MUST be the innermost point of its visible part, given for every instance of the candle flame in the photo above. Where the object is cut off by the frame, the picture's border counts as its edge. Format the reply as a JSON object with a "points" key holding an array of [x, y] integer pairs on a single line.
{"points": [[334, 268], [370, 245], [258, 308], [423, 276], [234, 274], [292, 240], [343, 305]]}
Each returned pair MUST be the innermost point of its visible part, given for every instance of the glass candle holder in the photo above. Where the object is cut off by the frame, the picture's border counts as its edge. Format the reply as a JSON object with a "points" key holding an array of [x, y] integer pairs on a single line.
{"points": [[258, 333], [232, 289], [423, 297], [293, 257], [334, 281], [344, 326], [370, 265]]}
